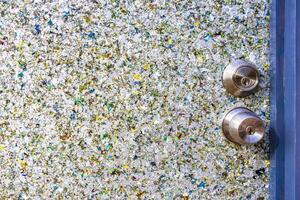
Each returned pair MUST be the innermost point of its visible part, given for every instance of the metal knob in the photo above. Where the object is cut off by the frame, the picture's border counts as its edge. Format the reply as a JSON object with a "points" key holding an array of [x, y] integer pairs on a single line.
{"points": [[241, 78], [242, 126]]}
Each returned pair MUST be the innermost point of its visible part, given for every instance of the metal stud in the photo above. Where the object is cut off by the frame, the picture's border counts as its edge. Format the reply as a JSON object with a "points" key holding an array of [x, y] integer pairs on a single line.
{"points": [[241, 78], [242, 126]]}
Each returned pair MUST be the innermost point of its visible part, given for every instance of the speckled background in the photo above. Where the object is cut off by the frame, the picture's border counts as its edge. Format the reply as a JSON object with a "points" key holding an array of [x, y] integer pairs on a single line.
{"points": [[123, 99]]}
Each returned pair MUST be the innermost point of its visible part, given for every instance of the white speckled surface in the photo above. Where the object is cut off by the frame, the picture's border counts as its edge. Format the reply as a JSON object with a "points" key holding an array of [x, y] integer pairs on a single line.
{"points": [[124, 100]]}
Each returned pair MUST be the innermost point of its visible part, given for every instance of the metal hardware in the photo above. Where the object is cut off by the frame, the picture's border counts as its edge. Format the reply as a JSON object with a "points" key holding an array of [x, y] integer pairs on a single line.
{"points": [[242, 126], [241, 78]]}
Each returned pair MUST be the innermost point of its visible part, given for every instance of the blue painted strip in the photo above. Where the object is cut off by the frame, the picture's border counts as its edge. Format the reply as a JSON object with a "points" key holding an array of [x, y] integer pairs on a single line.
{"points": [[277, 105], [285, 100], [297, 97], [289, 84]]}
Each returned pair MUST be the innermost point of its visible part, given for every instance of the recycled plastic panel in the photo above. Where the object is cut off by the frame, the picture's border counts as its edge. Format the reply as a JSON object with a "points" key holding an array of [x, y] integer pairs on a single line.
{"points": [[124, 99]]}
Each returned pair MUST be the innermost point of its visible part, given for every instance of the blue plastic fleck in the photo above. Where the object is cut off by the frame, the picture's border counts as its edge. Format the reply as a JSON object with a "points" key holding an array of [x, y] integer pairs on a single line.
{"points": [[91, 35], [37, 29], [201, 185]]}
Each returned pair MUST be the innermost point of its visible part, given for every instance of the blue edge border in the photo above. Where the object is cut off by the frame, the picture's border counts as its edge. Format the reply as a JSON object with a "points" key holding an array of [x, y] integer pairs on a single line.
{"points": [[285, 100]]}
